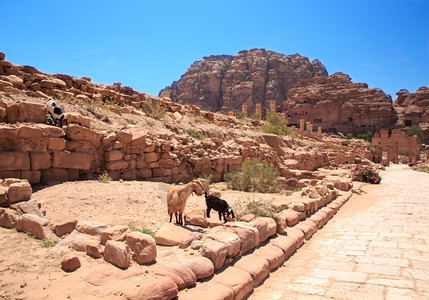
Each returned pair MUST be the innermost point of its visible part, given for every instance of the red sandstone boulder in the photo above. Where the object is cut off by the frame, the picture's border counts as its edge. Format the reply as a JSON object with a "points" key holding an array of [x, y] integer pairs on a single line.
{"points": [[70, 263], [196, 217], [117, 253], [185, 275], [201, 266], [143, 246], [230, 239], [19, 191], [91, 227], [263, 228], [274, 255], [64, 226], [171, 235], [8, 218], [78, 241], [215, 251], [94, 249], [116, 233], [14, 160], [36, 226], [28, 207]]}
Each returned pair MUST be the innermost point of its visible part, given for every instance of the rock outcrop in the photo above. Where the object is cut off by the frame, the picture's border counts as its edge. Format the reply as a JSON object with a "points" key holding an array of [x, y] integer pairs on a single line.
{"points": [[413, 108], [224, 83], [335, 103]]}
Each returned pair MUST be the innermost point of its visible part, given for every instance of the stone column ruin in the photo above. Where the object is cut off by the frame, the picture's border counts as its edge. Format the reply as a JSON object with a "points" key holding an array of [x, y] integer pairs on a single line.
{"points": [[378, 154], [272, 105], [244, 110], [258, 110], [301, 124]]}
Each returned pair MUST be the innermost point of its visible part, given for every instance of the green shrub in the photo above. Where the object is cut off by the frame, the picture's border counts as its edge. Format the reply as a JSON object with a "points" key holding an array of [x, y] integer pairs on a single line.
{"points": [[276, 125], [345, 143], [416, 130], [206, 180], [372, 149], [349, 136], [261, 208], [195, 134], [142, 230], [366, 136], [153, 109], [255, 116], [254, 176], [104, 178], [239, 115]]}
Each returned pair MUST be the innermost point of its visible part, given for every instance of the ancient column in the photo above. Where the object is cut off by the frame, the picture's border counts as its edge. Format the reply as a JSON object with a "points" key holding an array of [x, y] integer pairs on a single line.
{"points": [[414, 149], [310, 128], [244, 110], [378, 154], [272, 105], [308, 124], [230, 113], [301, 125], [319, 131], [392, 152], [258, 110]]}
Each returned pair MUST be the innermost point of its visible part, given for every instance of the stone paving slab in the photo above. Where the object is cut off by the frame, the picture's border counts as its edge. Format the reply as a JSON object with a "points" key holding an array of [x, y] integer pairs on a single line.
{"points": [[375, 247]]}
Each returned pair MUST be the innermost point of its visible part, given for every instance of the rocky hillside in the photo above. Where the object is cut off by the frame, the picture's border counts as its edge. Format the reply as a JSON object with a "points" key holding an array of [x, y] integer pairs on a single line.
{"points": [[413, 108], [224, 83], [335, 103], [111, 130]]}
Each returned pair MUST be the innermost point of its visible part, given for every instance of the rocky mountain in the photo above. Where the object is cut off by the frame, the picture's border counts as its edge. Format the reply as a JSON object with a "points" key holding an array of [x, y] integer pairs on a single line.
{"points": [[224, 83], [335, 103], [413, 108]]}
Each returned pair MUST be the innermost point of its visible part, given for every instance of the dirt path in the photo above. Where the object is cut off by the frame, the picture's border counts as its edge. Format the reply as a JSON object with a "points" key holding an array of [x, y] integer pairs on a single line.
{"points": [[375, 247]]}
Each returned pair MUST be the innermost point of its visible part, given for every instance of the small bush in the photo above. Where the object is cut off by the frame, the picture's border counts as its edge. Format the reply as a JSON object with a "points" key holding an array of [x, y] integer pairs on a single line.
{"points": [[104, 178], [239, 115], [345, 143], [349, 136], [366, 174], [366, 136], [153, 109], [276, 125], [195, 134], [416, 130], [142, 230], [372, 149], [254, 176], [255, 116], [259, 209], [49, 243]]}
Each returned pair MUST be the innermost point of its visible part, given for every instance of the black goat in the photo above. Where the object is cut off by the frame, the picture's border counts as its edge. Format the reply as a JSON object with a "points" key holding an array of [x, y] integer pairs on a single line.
{"points": [[219, 205]]}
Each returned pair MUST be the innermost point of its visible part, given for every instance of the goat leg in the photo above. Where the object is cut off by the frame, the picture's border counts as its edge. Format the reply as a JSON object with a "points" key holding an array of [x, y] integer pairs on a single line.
{"points": [[208, 212], [171, 216]]}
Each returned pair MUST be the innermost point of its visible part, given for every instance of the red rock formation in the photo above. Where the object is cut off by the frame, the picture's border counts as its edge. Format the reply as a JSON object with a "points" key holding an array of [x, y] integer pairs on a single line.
{"points": [[224, 83], [413, 108], [337, 104]]}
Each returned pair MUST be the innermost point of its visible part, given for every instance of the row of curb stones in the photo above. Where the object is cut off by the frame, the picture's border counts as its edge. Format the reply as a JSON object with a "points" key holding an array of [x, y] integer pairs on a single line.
{"points": [[238, 280]]}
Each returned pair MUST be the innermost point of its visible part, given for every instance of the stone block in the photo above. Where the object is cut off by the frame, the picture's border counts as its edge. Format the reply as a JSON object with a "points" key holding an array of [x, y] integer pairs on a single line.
{"points": [[116, 233], [91, 227], [28, 207], [113, 155], [31, 112], [14, 160], [273, 254], [201, 266], [117, 253], [36, 226], [8, 218], [182, 275], [263, 229], [171, 235], [196, 217], [33, 177], [230, 239], [70, 263], [215, 251], [286, 243], [238, 280], [94, 249], [257, 266], [77, 132], [160, 287], [143, 246], [72, 160], [64, 226], [56, 144], [54, 174], [40, 160], [78, 241], [19, 191], [117, 165], [209, 291], [3, 196]]}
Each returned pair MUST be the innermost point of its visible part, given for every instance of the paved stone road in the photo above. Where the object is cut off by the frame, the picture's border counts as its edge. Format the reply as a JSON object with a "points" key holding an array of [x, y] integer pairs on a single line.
{"points": [[376, 247]]}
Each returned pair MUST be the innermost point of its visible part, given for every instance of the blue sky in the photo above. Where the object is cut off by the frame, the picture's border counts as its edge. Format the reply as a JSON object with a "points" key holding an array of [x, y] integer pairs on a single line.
{"points": [[149, 44]]}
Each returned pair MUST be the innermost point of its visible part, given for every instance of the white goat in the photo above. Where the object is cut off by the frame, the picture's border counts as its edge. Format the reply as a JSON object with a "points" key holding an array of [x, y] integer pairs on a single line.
{"points": [[55, 113], [177, 196]]}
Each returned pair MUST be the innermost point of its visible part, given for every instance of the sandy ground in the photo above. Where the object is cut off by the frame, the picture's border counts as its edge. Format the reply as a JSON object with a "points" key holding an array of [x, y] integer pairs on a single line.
{"points": [[30, 269]]}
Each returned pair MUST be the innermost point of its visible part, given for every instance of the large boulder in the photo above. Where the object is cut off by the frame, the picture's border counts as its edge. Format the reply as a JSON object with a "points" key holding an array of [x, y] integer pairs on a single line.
{"points": [[171, 235], [70, 263], [8, 218], [117, 253], [257, 266], [91, 227], [143, 246], [36, 226], [116, 233], [215, 251], [19, 191]]}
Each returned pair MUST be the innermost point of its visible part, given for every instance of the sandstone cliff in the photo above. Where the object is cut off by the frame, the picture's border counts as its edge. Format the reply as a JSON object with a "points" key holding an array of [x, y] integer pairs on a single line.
{"points": [[335, 103], [224, 83], [413, 108]]}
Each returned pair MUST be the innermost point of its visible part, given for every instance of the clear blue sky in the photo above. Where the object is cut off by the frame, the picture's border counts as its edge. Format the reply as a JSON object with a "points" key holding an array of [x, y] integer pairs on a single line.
{"points": [[149, 44]]}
